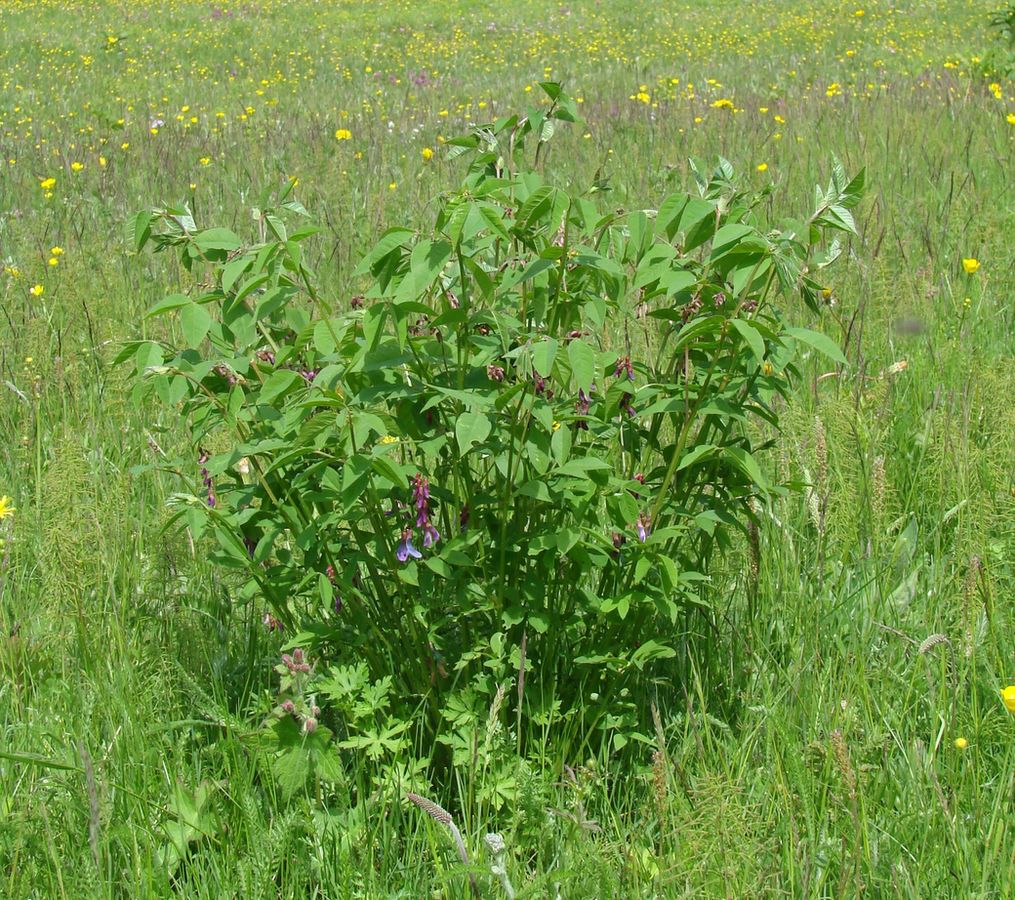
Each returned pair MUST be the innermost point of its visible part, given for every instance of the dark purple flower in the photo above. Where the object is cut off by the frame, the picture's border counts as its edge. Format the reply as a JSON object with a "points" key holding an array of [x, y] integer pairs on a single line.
{"points": [[206, 477], [625, 404], [405, 548], [495, 373], [624, 366]]}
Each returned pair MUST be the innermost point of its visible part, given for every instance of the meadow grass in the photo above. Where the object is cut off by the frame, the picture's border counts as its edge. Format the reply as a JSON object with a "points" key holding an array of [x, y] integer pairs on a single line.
{"points": [[811, 750]]}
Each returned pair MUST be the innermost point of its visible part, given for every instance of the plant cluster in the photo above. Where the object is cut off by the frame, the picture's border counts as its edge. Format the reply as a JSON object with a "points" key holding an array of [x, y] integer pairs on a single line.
{"points": [[514, 455]]}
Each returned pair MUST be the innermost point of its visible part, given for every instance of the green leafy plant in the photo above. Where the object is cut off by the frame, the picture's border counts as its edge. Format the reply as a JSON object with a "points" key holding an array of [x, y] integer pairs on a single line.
{"points": [[532, 430]]}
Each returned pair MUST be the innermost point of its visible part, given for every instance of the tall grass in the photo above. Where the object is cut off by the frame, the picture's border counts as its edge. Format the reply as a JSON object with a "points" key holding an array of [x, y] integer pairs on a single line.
{"points": [[811, 752]]}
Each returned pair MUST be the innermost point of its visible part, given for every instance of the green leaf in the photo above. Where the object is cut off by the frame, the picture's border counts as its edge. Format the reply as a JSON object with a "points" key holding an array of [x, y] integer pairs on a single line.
{"points": [[388, 469], [583, 363], [216, 239], [139, 229], [195, 321], [232, 271], [650, 650], [820, 342], [748, 465], [727, 237], [278, 383], [173, 301], [471, 428], [543, 354], [390, 240], [752, 336], [291, 770], [702, 451]]}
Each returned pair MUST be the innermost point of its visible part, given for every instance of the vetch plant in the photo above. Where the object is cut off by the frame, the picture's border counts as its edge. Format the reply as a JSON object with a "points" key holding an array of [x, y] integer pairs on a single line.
{"points": [[532, 424]]}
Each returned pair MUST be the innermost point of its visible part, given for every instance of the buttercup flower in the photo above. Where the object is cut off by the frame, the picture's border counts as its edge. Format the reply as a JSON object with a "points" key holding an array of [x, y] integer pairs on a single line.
{"points": [[1008, 698], [961, 743], [343, 134], [970, 264], [36, 290], [6, 507]]}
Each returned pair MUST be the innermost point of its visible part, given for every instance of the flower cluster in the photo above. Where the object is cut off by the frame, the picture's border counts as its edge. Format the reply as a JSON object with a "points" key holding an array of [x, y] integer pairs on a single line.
{"points": [[421, 500], [297, 674], [206, 478]]}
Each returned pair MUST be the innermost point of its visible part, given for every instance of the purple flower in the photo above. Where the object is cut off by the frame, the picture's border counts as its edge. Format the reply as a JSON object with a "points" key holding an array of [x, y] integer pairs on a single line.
{"points": [[624, 366], [206, 478], [430, 535], [643, 526], [421, 497], [405, 548]]}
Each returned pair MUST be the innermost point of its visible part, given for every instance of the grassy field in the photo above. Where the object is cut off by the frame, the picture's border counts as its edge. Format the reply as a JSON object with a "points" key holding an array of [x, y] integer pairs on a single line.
{"points": [[848, 737]]}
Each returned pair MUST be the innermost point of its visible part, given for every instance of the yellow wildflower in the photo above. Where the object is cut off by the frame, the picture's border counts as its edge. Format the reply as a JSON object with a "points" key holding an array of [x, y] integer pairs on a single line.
{"points": [[970, 264], [1008, 698], [427, 154], [343, 134], [205, 160], [56, 251], [961, 743], [47, 184], [77, 166], [762, 167], [36, 290], [52, 262], [389, 439], [7, 508]]}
